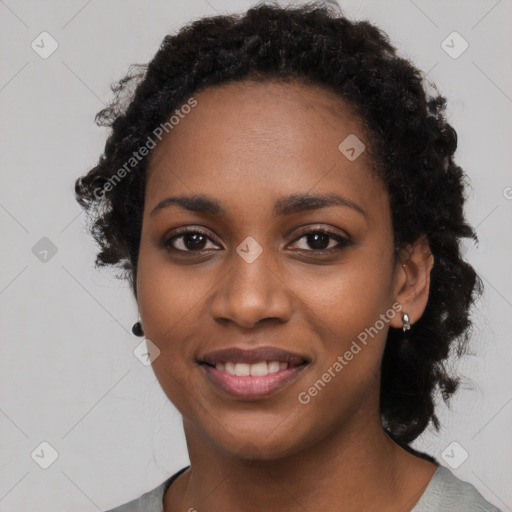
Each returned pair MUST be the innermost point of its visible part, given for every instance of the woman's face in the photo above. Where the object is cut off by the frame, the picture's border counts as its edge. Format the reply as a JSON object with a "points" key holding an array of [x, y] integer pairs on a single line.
{"points": [[254, 277]]}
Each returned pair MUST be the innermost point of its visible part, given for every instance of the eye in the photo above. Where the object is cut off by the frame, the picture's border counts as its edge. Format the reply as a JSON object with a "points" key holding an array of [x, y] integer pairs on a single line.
{"points": [[196, 240], [319, 240], [189, 240]]}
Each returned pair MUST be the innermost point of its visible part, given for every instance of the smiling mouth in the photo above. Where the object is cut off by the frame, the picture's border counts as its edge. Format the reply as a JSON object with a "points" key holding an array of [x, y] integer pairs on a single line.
{"points": [[252, 381], [258, 369]]}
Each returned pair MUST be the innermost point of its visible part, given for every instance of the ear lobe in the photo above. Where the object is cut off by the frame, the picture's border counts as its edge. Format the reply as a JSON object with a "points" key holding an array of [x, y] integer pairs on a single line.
{"points": [[415, 264]]}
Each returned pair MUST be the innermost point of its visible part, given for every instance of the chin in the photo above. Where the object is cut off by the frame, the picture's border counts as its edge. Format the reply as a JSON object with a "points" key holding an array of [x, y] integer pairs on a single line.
{"points": [[260, 446], [251, 452]]}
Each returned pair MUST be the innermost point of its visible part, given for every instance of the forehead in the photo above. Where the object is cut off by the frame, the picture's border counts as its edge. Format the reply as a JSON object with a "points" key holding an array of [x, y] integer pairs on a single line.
{"points": [[272, 111], [262, 137]]}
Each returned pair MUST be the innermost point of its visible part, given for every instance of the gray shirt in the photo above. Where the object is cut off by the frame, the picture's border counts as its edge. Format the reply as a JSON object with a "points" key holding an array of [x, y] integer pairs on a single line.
{"points": [[445, 492]]}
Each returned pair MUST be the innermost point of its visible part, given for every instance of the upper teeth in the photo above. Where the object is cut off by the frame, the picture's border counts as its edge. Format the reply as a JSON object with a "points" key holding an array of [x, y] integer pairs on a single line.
{"points": [[256, 370]]}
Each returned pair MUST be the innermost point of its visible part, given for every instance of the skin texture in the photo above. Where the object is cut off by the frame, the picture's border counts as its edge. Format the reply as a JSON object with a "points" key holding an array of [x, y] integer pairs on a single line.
{"points": [[247, 145]]}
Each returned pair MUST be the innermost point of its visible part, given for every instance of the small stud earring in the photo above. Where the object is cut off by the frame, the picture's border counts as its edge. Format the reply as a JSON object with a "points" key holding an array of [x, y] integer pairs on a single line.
{"points": [[137, 329], [406, 322]]}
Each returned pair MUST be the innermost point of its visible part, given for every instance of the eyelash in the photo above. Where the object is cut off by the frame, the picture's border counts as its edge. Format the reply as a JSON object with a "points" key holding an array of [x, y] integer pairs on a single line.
{"points": [[342, 241]]}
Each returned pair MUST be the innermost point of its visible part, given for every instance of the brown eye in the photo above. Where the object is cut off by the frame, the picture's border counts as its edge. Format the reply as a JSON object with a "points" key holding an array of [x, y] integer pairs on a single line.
{"points": [[190, 240], [319, 240]]}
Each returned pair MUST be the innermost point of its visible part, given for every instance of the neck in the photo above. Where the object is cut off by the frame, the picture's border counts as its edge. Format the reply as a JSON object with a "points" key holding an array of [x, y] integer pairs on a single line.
{"points": [[358, 468]]}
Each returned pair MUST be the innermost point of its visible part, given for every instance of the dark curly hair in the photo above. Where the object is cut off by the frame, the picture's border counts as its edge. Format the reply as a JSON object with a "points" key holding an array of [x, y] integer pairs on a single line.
{"points": [[410, 142]]}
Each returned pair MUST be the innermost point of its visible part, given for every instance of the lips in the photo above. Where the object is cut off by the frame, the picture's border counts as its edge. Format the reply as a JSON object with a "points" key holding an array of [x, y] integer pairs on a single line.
{"points": [[239, 355], [252, 374]]}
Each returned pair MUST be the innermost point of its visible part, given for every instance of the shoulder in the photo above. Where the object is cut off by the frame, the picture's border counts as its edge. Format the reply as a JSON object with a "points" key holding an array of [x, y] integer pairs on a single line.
{"points": [[447, 492], [151, 501], [148, 502]]}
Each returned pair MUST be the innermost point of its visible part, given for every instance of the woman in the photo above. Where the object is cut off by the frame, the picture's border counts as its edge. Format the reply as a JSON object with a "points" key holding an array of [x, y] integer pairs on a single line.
{"points": [[281, 192]]}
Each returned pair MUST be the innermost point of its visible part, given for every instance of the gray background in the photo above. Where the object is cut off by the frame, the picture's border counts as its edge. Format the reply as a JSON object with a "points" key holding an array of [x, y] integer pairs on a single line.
{"points": [[68, 374]]}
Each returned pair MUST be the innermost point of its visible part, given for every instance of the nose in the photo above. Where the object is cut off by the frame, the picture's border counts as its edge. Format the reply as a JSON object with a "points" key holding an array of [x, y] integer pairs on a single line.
{"points": [[251, 293]]}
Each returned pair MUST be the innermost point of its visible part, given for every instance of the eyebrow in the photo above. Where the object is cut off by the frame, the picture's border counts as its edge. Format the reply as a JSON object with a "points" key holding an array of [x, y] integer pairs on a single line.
{"points": [[295, 203]]}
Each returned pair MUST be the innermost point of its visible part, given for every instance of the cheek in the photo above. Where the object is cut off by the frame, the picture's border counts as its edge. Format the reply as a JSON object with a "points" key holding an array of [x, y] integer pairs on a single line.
{"points": [[167, 294], [346, 307], [171, 300], [166, 303], [348, 297], [167, 310]]}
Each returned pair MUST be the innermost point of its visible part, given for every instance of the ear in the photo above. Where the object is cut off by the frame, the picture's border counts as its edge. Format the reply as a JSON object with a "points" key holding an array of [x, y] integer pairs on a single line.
{"points": [[412, 280]]}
